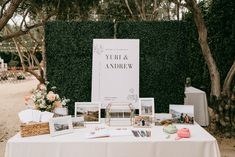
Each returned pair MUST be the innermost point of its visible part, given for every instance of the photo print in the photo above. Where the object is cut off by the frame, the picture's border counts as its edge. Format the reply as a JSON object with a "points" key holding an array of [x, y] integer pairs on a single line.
{"points": [[89, 110]]}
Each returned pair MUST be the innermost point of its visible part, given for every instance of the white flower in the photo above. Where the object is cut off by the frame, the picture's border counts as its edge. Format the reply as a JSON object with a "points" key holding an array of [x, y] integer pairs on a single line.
{"points": [[64, 101], [42, 106], [38, 95], [57, 97], [33, 97]]}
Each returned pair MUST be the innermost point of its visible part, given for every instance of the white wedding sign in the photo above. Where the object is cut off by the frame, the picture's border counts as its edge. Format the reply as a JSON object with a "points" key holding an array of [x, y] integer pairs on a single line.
{"points": [[115, 71]]}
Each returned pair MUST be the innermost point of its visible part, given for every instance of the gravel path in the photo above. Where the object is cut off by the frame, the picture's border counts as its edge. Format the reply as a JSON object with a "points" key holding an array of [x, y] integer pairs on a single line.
{"points": [[11, 102]]}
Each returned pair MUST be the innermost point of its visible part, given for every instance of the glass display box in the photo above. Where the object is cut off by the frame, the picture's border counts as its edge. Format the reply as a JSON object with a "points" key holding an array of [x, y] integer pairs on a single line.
{"points": [[119, 114]]}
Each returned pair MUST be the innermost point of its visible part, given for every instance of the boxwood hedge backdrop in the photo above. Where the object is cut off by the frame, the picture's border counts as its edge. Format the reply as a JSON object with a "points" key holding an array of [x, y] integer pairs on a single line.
{"points": [[163, 58]]}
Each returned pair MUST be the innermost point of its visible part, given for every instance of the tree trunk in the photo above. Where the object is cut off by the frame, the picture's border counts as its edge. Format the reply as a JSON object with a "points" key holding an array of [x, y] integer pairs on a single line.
{"points": [[39, 77], [18, 50], [202, 33], [224, 100], [227, 104], [9, 13], [43, 65]]}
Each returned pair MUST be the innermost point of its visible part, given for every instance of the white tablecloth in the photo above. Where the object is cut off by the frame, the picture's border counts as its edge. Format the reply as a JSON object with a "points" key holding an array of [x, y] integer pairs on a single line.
{"points": [[201, 144], [197, 98]]}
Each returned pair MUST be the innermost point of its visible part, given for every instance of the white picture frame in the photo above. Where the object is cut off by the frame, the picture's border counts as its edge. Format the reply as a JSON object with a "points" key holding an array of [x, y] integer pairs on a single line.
{"points": [[89, 110], [183, 114], [60, 125], [146, 107]]}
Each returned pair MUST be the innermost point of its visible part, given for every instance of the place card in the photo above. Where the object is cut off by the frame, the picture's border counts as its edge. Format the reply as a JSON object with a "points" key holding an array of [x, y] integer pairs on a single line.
{"points": [[31, 115], [26, 116], [46, 116]]}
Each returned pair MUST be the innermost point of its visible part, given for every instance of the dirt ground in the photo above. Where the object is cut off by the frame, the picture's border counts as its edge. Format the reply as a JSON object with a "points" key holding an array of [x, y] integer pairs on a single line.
{"points": [[12, 101]]}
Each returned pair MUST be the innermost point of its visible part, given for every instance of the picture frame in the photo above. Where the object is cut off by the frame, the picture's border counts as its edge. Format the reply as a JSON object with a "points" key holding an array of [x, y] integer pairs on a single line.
{"points": [[183, 114], [78, 122], [142, 121], [89, 110], [146, 106], [60, 125]]}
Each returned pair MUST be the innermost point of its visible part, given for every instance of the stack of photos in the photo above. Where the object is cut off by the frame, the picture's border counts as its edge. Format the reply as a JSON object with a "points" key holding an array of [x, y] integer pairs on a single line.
{"points": [[182, 113], [142, 121], [89, 110]]}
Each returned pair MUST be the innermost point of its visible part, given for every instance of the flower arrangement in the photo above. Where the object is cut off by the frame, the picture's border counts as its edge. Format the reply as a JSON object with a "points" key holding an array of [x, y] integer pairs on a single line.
{"points": [[44, 100]]}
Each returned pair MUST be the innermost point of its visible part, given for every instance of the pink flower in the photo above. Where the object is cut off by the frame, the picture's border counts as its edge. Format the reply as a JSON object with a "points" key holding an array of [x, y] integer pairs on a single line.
{"points": [[26, 99], [51, 96]]}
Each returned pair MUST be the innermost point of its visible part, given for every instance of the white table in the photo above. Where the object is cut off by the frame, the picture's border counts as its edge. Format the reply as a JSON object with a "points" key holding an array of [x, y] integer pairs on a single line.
{"points": [[201, 144], [197, 98]]}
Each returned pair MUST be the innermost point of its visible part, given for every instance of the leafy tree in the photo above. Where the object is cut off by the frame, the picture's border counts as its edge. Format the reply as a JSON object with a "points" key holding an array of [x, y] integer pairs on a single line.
{"points": [[34, 14], [222, 90]]}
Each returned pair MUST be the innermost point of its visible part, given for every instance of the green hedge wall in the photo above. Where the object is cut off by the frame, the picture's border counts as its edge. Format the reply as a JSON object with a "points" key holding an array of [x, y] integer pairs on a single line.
{"points": [[163, 58], [69, 56]]}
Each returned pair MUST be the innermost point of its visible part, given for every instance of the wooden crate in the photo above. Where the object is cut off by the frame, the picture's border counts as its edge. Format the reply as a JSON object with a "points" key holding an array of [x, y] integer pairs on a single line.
{"points": [[33, 129]]}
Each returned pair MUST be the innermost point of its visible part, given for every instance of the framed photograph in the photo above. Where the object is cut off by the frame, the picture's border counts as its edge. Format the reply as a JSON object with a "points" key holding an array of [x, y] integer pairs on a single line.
{"points": [[146, 106], [78, 122], [60, 125], [142, 121], [89, 110], [182, 113]]}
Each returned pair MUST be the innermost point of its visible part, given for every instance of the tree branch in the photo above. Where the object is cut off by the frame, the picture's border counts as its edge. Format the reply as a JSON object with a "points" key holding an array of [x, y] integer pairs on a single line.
{"points": [[23, 21], [19, 33], [139, 9], [155, 9], [41, 79], [9, 12], [128, 7], [34, 39], [3, 7], [22, 32], [143, 9]]}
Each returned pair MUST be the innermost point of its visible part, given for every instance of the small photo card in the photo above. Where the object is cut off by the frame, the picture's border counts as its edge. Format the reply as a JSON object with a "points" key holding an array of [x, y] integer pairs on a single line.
{"points": [[146, 106], [89, 110], [78, 122], [60, 125], [26, 116], [182, 113], [142, 121], [46, 116]]}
